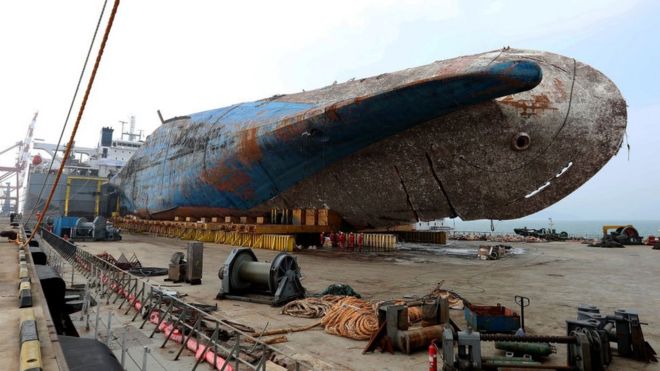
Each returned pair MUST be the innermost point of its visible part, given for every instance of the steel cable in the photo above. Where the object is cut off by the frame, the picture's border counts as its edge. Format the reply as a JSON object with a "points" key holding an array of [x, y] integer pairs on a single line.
{"points": [[352, 318], [311, 307]]}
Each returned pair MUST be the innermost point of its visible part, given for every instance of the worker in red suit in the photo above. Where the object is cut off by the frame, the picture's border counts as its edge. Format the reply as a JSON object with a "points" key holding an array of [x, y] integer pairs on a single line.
{"points": [[342, 240], [333, 239], [351, 240], [360, 240]]}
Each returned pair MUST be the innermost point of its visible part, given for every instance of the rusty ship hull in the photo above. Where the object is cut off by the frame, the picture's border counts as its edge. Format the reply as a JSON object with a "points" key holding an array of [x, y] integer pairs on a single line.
{"points": [[498, 135]]}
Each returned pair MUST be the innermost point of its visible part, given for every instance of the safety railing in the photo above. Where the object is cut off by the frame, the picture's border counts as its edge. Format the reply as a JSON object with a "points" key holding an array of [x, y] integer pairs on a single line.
{"points": [[215, 340]]}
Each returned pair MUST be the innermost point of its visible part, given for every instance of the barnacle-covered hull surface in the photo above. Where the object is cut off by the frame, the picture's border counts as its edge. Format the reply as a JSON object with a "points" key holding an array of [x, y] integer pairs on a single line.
{"points": [[497, 135]]}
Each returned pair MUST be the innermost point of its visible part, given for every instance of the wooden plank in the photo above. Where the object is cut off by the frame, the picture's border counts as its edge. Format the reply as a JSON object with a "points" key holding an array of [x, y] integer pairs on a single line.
{"points": [[297, 217], [310, 216]]}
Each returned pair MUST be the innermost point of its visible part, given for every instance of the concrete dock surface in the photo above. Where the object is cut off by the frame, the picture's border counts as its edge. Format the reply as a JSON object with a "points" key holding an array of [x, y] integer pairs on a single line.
{"points": [[556, 276], [10, 313]]}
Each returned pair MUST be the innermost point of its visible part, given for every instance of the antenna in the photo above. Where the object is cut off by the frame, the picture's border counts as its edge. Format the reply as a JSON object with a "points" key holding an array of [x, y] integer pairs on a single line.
{"points": [[123, 128], [132, 134]]}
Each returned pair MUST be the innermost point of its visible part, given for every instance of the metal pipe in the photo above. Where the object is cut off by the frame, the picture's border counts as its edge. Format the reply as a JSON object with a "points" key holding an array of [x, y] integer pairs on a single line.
{"points": [[96, 328], [529, 338], [107, 341], [97, 206], [144, 358], [524, 365], [67, 194], [84, 304], [18, 191]]}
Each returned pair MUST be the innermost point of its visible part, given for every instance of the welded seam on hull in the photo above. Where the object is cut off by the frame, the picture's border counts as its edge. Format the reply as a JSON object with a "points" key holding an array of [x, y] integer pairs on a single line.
{"points": [[497, 56], [546, 62], [442, 187], [226, 113], [405, 190]]}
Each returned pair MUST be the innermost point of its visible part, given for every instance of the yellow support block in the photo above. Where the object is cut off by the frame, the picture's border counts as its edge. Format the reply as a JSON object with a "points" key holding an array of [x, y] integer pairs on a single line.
{"points": [[246, 239], [258, 241], [206, 235], [30, 353], [23, 271], [232, 238], [25, 285], [27, 315], [188, 234], [31, 356]]}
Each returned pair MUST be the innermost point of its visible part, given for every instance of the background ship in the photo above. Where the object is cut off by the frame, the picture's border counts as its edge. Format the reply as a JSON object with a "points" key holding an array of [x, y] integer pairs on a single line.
{"points": [[79, 191]]}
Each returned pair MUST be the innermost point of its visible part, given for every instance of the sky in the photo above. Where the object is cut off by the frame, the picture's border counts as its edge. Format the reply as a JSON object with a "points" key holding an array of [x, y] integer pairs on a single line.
{"points": [[186, 57]]}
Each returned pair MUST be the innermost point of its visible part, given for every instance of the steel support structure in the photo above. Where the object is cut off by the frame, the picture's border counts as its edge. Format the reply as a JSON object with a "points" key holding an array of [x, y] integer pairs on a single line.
{"points": [[97, 198]]}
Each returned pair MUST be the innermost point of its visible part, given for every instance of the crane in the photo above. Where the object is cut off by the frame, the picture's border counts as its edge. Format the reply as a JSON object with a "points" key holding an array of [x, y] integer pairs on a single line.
{"points": [[22, 160]]}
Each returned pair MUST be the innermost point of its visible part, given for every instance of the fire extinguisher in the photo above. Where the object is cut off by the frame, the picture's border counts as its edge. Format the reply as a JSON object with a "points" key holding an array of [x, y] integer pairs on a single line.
{"points": [[433, 357]]}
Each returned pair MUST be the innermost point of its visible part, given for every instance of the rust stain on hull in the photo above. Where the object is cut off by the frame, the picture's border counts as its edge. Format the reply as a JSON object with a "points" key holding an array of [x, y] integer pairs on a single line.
{"points": [[529, 107]]}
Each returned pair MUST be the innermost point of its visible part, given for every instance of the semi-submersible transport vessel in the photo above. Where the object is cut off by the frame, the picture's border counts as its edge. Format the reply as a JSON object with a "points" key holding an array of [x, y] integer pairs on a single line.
{"points": [[497, 135]]}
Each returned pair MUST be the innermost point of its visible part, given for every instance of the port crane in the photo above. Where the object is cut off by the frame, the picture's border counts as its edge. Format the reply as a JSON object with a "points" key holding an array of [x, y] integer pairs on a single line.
{"points": [[22, 160]]}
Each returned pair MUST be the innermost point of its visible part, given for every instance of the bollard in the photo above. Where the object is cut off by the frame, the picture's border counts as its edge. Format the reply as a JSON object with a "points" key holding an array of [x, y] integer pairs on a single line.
{"points": [[73, 271]]}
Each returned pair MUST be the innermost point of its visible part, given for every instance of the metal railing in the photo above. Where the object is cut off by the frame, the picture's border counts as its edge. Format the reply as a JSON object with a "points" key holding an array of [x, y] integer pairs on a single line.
{"points": [[172, 316]]}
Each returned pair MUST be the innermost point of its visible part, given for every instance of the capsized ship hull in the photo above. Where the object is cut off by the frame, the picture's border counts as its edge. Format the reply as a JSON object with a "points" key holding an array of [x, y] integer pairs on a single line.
{"points": [[497, 135]]}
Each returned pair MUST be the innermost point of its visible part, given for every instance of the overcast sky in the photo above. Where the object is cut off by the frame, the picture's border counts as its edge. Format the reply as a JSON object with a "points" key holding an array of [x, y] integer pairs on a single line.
{"points": [[184, 57]]}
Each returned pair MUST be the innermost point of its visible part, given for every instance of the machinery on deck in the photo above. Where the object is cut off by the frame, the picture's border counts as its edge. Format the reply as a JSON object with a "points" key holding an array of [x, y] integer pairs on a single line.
{"points": [[623, 328], [79, 229], [545, 233], [623, 234], [397, 332], [587, 339], [245, 278], [587, 351], [187, 267]]}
